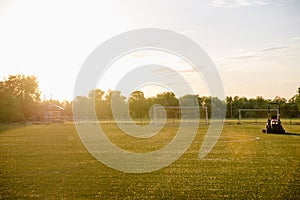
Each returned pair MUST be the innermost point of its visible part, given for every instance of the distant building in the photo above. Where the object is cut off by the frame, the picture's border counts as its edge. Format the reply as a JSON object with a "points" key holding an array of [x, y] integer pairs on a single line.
{"points": [[52, 113]]}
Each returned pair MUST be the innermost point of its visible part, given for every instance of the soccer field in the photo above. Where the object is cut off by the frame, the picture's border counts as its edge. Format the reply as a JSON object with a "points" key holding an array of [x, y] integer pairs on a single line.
{"points": [[50, 162]]}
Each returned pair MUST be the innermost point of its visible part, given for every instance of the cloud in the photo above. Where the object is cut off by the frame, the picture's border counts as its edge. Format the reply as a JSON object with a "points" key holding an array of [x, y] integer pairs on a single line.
{"points": [[271, 49], [168, 70], [241, 57], [245, 3], [238, 3], [255, 54]]}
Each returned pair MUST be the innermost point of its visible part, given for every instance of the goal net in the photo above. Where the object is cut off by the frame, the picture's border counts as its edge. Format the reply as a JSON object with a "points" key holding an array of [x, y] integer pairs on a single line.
{"points": [[179, 114]]}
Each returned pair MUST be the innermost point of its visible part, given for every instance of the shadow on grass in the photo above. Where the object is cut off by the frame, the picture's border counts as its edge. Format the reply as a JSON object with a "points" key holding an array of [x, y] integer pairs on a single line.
{"points": [[286, 133], [296, 134], [9, 126]]}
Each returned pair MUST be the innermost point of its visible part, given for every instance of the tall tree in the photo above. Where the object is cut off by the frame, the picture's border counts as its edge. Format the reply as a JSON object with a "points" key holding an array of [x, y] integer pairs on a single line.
{"points": [[167, 99], [82, 108], [96, 98], [229, 102], [137, 105], [115, 105], [24, 91], [297, 100], [189, 100], [10, 110]]}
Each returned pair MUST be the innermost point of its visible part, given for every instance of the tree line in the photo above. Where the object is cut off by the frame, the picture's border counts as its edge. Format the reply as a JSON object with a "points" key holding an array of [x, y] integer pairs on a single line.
{"points": [[20, 101]]}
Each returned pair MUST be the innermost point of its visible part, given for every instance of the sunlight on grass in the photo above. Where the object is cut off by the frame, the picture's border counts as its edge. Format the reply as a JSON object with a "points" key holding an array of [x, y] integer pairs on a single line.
{"points": [[50, 162]]}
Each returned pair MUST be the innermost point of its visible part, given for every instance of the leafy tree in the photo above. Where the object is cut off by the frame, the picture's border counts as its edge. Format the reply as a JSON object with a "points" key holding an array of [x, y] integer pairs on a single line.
{"points": [[137, 105], [10, 110], [167, 99], [82, 108], [96, 98], [297, 99], [229, 101], [115, 101], [68, 107], [23, 94], [96, 95], [279, 100], [189, 100], [219, 107]]}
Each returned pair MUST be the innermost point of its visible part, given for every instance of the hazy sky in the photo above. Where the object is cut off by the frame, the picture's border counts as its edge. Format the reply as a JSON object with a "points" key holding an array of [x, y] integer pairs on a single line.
{"points": [[255, 44]]}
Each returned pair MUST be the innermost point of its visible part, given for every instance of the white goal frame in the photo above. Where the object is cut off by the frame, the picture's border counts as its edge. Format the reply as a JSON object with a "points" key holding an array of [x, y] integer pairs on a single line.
{"points": [[155, 117], [259, 110]]}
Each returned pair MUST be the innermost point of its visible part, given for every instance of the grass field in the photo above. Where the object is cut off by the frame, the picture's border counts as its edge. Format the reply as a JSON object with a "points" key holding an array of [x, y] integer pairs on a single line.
{"points": [[50, 162]]}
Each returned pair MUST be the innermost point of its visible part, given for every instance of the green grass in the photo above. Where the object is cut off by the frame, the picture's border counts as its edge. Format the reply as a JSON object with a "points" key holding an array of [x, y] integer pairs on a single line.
{"points": [[50, 162]]}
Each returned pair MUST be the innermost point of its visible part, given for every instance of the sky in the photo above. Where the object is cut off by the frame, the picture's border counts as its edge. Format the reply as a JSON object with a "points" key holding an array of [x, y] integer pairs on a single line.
{"points": [[254, 44]]}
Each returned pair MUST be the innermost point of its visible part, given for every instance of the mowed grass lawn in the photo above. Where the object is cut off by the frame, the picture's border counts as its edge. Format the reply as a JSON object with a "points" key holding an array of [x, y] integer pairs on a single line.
{"points": [[50, 162]]}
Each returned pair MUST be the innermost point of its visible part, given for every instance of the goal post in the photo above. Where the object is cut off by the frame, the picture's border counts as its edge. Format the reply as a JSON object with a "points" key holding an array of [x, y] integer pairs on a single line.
{"points": [[255, 110], [186, 114]]}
